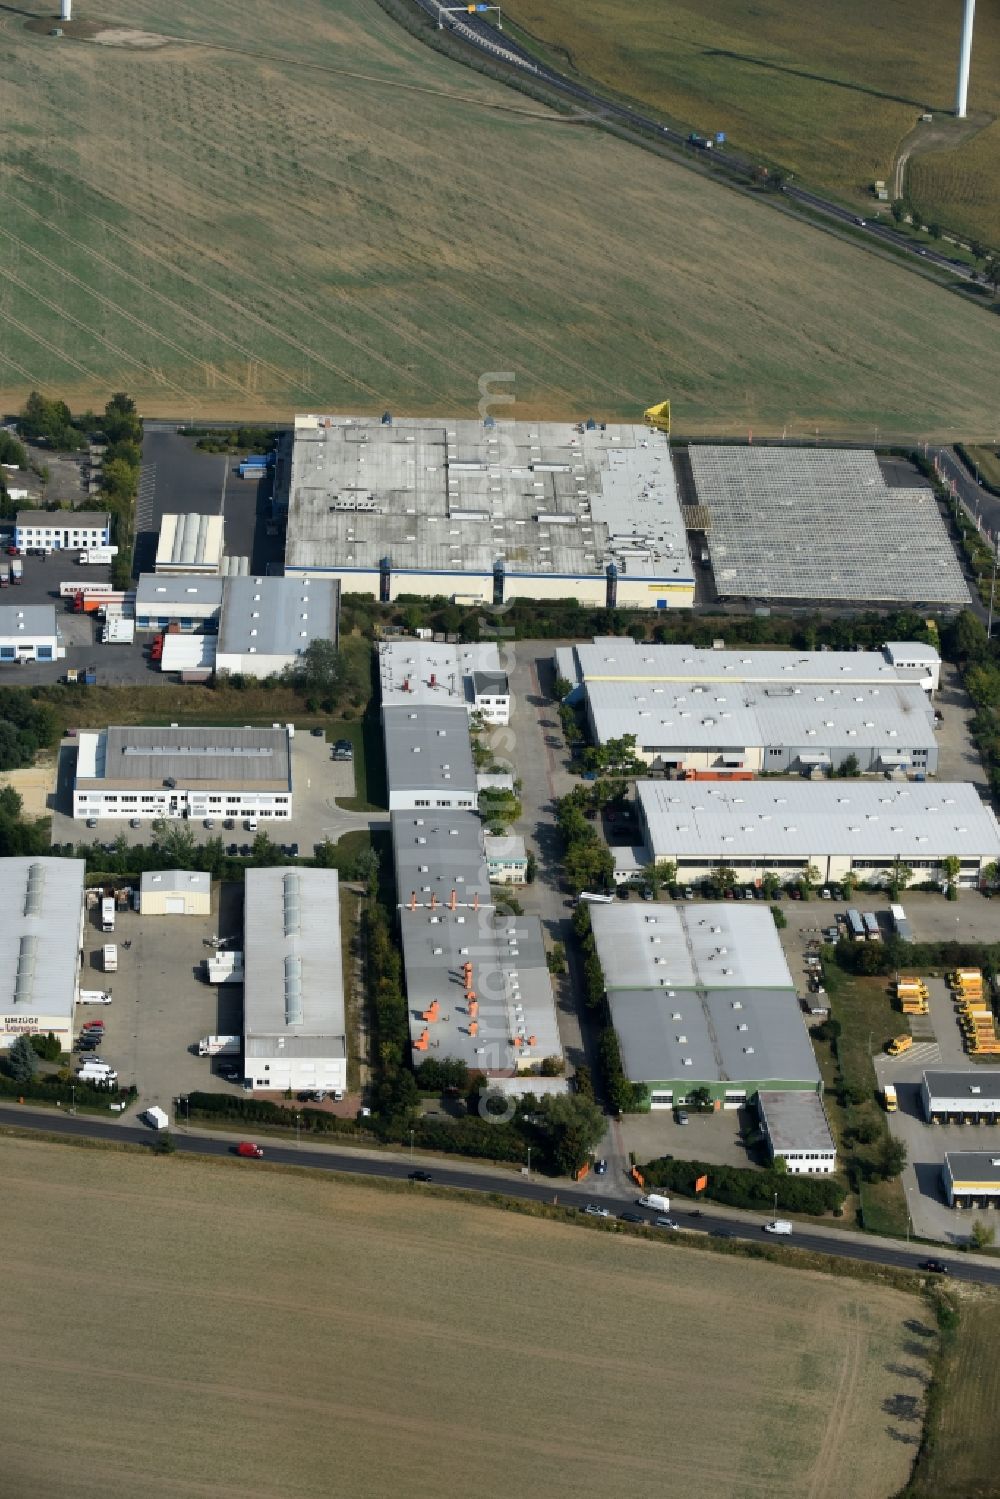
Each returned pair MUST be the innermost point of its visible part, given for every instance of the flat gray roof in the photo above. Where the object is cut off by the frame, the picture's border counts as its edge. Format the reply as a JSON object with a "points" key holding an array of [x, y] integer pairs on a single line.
{"points": [[42, 903], [436, 852], [616, 658], [65, 520], [428, 748], [510, 979], [277, 616], [27, 620], [713, 714], [968, 1166], [293, 988], [795, 1120], [175, 590], [430, 671], [446, 495], [722, 945], [174, 880], [796, 819], [821, 524], [973, 1084], [712, 1035], [259, 759]]}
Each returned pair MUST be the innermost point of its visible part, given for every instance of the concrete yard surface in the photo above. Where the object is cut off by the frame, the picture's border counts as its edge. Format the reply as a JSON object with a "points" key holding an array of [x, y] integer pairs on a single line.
{"points": [[401, 1343]]}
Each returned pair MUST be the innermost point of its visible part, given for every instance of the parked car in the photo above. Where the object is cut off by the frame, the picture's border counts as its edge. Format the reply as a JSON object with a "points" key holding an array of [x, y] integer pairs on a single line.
{"points": [[682, 1116], [688, 893], [593, 1211], [247, 1148], [229, 1073], [343, 750], [647, 892], [209, 822], [250, 826], [826, 893], [624, 893], [601, 1167], [317, 733], [91, 822], [232, 850], [795, 893], [319, 1096], [665, 1223], [229, 823]]}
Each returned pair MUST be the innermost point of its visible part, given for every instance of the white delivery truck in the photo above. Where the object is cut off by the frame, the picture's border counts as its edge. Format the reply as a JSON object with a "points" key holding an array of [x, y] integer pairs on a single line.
{"points": [[108, 914], [655, 1202], [97, 556], [218, 1046], [95, 996], [118, 630], [91, 1073], [110, 958], [156, 1118], [778, 1226]]}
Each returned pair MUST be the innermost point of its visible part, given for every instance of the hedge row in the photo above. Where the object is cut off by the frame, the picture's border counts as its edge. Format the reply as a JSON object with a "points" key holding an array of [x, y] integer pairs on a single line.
{"points": [[739, 1187], [53, 1090]]}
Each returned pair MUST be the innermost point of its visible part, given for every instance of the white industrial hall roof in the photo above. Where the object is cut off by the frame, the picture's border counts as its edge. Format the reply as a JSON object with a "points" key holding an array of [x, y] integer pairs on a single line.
{"points": [[822, 524], [615, 658], [428, 671], [268, 616], [171, 881], [133, 755], [724, 945], [293, 990], [189, 541], [708, 714], [795, 1120], [42, 903], [27, 621], [795, 819], [456, 495]]}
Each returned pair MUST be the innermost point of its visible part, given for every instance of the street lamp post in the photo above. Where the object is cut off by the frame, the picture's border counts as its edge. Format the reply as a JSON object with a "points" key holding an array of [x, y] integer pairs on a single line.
{"points": [[411, 1147], [529, 1160], [72, 1098]]}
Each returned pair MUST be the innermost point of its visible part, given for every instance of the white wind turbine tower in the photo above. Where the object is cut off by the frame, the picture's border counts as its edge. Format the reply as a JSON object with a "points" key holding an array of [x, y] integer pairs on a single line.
{"points": [[964, 58]]}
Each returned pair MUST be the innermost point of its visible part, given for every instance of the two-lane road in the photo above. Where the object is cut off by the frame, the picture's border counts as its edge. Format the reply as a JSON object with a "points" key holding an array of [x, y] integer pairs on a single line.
{"points": [[717, 1222]]}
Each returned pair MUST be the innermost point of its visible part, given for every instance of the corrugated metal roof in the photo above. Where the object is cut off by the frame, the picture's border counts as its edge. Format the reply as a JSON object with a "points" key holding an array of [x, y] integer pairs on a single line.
{"points": [[437, 851], [133, 755]]}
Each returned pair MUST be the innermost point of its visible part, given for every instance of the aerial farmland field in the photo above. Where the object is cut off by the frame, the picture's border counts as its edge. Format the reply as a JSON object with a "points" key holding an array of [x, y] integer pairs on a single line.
{"points": [[248, 209], [825, 91], [195, 1329]]}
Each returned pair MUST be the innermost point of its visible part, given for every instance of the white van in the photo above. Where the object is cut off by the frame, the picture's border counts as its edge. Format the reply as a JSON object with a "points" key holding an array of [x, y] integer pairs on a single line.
{"points": [[778, 1226], [592, 898]]}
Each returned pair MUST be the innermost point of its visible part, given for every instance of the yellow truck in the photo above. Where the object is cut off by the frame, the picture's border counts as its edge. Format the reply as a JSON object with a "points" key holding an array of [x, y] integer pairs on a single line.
{"points": [[890, 1099], [898, 1045], [914, 1006]]}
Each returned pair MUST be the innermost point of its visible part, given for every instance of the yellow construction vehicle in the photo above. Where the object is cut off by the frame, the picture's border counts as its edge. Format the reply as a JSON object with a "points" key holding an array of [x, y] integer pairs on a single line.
{"points": [[658, 416]]}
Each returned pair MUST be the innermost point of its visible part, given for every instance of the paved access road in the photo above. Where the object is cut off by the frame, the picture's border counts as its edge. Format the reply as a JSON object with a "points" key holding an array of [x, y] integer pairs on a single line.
{"points": [[477, 31], [714, 1221]]}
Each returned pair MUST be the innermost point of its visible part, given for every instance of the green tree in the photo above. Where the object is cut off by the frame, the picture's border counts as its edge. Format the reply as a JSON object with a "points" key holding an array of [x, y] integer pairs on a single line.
{"points": [[176, 845], [890, 1158], [561, 688], [12, 451], [898, 210], [724, 877], [902, 874], [22, 1060], [950, 867], [574, 1125], [552, 1067], [991, 273], [982, 1235], [849, 767], [10, 802], [965, 637], [318, 671], [700, 1099]]}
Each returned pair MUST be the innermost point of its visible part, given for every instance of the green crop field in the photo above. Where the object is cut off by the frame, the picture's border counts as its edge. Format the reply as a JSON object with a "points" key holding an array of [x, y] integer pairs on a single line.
{"points": [[305, 208], [197, 1329], [827, 91], [960, 1461]]}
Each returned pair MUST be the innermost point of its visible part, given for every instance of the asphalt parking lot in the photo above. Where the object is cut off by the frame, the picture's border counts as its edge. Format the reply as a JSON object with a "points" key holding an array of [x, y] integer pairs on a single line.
{"points": [[317, 782], [160, 1006]]}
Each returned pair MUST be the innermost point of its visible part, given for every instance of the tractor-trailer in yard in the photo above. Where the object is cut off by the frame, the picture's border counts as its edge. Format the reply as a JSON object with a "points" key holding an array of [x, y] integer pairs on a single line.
{"points": [[16, 570], [110, 958], [108, 913], [219, 1046], [97, 556]]}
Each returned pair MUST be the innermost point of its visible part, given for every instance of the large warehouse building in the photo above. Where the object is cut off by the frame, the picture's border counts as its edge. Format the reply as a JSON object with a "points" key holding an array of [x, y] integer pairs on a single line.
{"points": [[41, 937], [617, 659], [484, 512], [428, 758], [822, 524], [718, 731], [477, 981], [293, 987], [126, 772], [971, 1096], [267, 624], [701, 997], [834, 827]]}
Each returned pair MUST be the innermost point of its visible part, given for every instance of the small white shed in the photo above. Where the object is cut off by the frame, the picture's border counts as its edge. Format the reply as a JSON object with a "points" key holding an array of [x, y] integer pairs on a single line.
{"points": [[175, 892]]}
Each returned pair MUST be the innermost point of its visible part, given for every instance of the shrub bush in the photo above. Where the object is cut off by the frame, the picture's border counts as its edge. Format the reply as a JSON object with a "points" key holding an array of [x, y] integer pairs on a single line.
{"points": [[739, 1187]]}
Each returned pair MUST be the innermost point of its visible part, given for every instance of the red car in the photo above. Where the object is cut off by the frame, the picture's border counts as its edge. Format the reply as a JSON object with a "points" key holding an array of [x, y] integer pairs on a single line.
{"points": [[246, 1148], [92, 1025]]}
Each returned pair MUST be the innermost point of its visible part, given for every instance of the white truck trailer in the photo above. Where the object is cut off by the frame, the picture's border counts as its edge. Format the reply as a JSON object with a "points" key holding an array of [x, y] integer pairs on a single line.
{"points": [[157, 1118], [97, 556], [223, 968], [118, 630], [219, 1046], [108, 913], [110, 958], [655, 1202]]}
